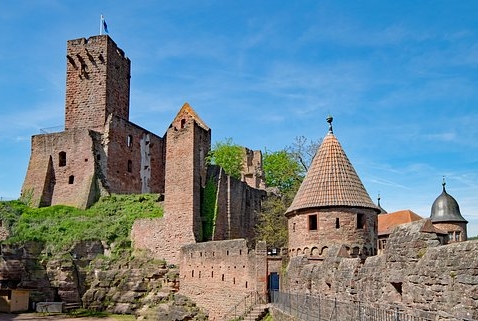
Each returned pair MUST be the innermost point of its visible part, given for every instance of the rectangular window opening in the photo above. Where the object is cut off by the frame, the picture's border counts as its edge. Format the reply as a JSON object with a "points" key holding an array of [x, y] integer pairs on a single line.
{"points": [[360, 220], [312, 222]]}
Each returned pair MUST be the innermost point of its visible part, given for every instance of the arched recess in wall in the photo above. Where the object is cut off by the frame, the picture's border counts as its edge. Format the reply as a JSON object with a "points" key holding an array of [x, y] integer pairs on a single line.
{"points": [[62, 159], [324, 251], [315, 251], [306, 251]]}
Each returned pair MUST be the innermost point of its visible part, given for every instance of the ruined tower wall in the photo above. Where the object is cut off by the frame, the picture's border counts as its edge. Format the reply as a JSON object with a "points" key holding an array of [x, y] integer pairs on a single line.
{"points": [[135, 158], [314, 230], [61, 169], [238, 206], [217, 275], [97, 82], [252, 172]]}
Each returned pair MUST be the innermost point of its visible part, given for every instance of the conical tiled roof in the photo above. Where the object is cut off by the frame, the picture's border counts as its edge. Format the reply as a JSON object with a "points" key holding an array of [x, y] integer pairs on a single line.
{"points": [[331, 180]]}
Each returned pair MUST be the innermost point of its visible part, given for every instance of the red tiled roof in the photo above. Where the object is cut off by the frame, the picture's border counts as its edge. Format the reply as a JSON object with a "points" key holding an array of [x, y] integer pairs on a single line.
{"points": [[386, 222], [331, 181]]}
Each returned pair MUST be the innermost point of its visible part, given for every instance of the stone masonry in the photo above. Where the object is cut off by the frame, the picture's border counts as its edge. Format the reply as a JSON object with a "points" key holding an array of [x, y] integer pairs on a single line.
{"points": [[217, 275], [414, 272]]}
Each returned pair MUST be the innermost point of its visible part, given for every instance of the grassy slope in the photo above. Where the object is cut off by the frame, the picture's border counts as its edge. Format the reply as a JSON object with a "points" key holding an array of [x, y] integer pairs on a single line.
{"points": [[110, 220]]}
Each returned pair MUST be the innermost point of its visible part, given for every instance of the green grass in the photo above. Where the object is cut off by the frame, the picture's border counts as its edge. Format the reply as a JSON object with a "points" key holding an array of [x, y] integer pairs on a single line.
{"points": [[110, 220]]}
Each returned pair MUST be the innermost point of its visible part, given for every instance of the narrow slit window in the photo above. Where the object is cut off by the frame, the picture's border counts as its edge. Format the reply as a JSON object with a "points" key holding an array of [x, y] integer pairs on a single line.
{"points": [[62, 159], [129, 140], [337, 222], [71, 179], [130, 166]]}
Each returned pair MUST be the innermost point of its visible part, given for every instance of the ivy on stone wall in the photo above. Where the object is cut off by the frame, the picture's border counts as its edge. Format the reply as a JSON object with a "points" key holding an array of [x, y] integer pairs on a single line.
{"points": [[209, 209]]}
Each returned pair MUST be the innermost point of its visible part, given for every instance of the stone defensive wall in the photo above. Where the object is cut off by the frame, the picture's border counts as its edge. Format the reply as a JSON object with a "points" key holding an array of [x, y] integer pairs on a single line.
{"points": [[414, 272], [219, 274]]}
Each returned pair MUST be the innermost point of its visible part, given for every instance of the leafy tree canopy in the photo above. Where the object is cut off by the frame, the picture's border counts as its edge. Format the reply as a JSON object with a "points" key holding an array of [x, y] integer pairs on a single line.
{"points": [[281, 170], [229, 156]]}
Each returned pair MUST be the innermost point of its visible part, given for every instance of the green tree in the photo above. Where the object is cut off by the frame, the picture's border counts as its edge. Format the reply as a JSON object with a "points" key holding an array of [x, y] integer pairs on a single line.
{"points": [[282, 170], [272, 222], [285, 170], [229, 156]]}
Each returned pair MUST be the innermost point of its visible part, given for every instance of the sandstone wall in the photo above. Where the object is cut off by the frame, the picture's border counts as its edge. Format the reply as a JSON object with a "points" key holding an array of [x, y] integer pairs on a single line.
{"points": [[331, 226], [61, 169], [97, 82], [238, 206], [135, 158], [414, 272], [218, 275]]}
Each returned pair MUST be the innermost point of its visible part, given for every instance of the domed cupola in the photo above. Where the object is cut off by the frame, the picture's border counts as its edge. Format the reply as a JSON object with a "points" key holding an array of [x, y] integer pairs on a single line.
{"points": [[446, 209], [446, 216]]}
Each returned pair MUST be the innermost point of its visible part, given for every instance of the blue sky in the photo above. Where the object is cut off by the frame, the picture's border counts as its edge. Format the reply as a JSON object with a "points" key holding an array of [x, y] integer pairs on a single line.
{"points": [[399, 77]]}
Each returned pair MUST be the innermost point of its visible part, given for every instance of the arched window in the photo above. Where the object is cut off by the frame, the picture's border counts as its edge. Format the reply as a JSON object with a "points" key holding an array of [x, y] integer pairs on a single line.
{"points": [[62, 159], [129, 140]]}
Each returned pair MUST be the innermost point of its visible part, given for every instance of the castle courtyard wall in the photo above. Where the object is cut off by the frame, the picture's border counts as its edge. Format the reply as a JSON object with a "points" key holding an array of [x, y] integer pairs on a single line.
{"points": [[415, 272], [219, 274]]}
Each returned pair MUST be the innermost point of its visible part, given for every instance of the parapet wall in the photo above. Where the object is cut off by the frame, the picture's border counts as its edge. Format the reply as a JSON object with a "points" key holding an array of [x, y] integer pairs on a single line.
{"points": [[219, 274], [414, 272]]}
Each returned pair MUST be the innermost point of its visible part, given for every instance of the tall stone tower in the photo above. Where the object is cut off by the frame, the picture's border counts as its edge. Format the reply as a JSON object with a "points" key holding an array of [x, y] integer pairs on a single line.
{"points": [[188, 141], [97, 82], [332, 207], [100, 150]]}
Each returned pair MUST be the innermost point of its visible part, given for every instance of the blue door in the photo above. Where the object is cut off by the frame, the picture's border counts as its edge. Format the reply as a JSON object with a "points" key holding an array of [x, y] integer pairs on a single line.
{"points": [[273, 284]]}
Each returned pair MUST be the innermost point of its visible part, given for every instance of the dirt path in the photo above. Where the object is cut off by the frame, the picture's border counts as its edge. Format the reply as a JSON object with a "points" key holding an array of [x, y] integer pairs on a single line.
{"points": [[43, 317]]}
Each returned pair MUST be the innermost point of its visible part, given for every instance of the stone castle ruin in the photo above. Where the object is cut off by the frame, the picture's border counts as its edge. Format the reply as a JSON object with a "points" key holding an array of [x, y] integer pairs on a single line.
{"points": [[332, 222]]}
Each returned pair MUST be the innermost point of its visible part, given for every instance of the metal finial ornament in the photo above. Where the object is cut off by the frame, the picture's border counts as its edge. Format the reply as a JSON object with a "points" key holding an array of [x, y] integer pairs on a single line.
{"points": [[443, 183], [378, 199], [329, 120]]}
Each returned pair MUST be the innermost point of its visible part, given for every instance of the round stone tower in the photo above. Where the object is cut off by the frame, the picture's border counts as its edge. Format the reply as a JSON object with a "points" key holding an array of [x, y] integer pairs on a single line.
{"points": [[446, 216], [332, 207]]}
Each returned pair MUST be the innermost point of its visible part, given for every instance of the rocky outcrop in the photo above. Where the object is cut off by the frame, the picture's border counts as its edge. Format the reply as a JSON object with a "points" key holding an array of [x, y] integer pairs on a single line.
{"points": [[85, 276]]}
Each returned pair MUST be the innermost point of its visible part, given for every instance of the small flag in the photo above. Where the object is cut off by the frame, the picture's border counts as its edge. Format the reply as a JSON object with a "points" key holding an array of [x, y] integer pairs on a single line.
{"points": [[103, 25]]}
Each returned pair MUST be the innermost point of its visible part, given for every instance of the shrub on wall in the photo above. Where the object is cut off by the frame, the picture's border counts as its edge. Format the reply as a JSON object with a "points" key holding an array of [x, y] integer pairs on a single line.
{"points": [[209, 209]]}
